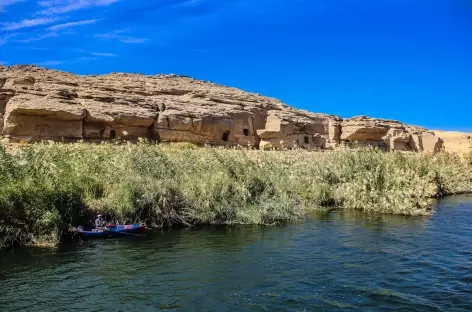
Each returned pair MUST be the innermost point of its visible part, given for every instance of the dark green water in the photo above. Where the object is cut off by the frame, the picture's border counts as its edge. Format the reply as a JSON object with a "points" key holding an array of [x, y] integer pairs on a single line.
{"points": [[333, 262]]}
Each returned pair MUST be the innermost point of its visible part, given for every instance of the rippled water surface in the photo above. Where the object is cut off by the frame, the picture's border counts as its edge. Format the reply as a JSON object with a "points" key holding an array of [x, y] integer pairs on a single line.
{"points": [[333, 262]]}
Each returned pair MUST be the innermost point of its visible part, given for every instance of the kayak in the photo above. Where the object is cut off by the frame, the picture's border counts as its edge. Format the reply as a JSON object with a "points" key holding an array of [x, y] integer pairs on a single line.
{"points": [[128, 229], [111, 231], [93, 233]]}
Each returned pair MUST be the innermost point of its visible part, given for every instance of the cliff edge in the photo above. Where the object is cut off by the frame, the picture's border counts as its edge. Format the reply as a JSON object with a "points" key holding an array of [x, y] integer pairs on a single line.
{"points": [[42, 104]]}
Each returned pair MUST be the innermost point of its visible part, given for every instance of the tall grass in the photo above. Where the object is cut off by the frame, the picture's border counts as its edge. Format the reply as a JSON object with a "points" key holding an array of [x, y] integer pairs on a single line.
{"points": [[46, 188]]}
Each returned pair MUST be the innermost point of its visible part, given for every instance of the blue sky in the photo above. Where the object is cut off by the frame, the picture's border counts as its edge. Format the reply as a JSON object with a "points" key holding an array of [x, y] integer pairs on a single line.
{"points": [[409, 60]]}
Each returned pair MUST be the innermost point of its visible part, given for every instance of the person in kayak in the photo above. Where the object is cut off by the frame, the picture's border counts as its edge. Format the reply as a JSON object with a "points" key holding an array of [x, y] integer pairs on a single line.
{"points": [[99, 222]]}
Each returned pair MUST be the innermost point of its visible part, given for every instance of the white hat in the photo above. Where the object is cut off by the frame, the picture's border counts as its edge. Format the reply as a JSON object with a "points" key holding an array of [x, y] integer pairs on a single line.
{"points": [[99, 215]]}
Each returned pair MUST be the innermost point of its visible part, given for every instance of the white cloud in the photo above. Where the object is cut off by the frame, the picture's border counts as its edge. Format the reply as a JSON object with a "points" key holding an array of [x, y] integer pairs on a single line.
{"points": [[103, 54], [85, 59], [132, 40], [191, 2], [75, 60], [94, 55], [39, 37], [118, 35], [33, 48], [4, 38], [50, 63], [5, 3], [63, 6], [28, 23], [78, 59], [52, 30], [72, 24]]}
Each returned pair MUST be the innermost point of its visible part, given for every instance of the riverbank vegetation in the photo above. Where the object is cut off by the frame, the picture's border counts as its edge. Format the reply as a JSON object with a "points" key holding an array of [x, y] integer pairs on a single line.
{"points": [[47, 188]]}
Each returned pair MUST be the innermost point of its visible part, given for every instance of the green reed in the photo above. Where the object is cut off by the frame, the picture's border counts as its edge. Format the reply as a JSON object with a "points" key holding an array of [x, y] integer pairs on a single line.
{"points": [[47, 188]]}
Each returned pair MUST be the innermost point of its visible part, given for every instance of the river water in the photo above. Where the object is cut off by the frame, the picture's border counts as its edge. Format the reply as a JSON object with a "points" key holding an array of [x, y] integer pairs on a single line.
{"points": [[341, 261]]}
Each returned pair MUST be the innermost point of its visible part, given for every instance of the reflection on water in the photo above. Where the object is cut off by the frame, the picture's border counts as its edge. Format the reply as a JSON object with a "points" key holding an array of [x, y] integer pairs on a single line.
{"points": [[337, 261]]}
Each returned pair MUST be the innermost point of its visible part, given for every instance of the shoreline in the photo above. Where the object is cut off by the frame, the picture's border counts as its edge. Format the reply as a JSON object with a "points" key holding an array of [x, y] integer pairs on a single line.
{"points": [[309, 217]]}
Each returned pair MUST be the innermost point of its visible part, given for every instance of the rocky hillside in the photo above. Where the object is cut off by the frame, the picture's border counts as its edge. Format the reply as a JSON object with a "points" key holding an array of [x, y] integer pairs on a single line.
{"points": [[41, 104]]}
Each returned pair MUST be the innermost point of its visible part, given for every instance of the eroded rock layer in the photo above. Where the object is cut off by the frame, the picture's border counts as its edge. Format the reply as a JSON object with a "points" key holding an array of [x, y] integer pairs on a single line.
{"points": [[41, 104]]}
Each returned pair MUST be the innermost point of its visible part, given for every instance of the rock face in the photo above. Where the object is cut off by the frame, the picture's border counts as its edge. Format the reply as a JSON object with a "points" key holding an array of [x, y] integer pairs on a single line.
{"points": [[41, 104], [389, 134], [457, 142]]}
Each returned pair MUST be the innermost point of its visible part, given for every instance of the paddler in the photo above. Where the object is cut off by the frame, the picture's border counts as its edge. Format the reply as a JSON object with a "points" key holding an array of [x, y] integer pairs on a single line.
{"points": [[99, 222]]}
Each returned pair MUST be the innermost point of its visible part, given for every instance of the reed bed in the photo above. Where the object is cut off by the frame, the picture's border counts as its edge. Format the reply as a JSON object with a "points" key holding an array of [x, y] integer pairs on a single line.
{"points": [[47, 188]]}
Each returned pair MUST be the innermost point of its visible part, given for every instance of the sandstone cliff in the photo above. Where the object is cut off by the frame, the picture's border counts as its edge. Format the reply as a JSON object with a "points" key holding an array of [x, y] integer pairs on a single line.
{"points": [[39, 104], [456, 142]]}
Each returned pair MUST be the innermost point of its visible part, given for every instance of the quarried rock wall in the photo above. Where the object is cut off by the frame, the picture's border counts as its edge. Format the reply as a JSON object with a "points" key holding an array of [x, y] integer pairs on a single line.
{"points": [[41, 104]]}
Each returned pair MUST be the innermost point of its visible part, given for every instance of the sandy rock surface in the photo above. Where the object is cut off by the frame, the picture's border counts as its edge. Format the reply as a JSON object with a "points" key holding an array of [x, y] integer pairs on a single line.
{"points": [[457, 142], [41, 104]]}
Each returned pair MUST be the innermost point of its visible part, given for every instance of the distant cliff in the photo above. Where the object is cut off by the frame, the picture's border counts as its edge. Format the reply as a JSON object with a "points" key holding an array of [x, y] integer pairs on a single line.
{"points": [[41, 104]]}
